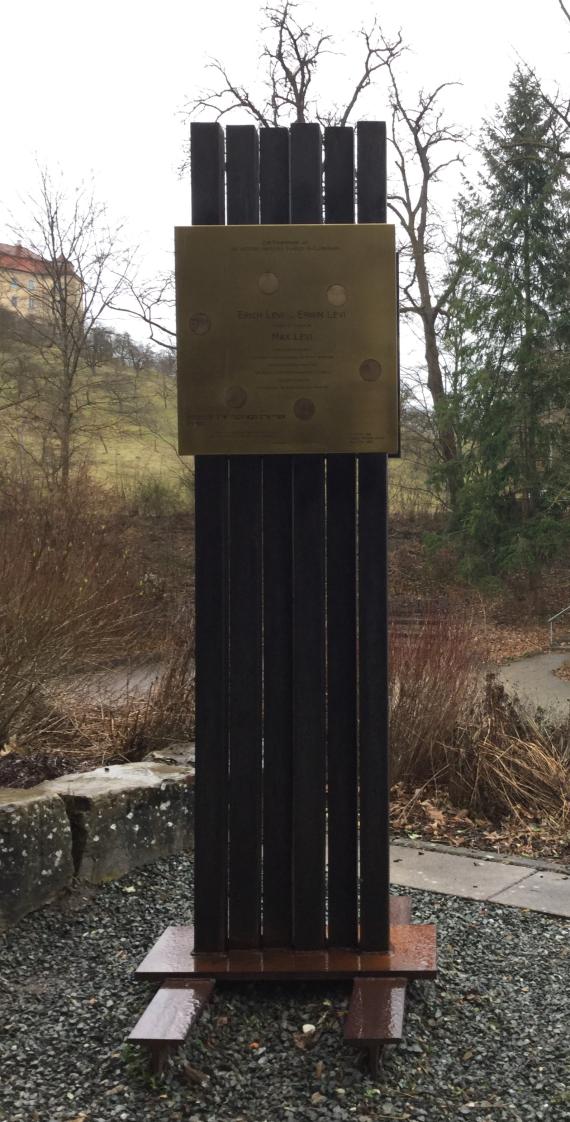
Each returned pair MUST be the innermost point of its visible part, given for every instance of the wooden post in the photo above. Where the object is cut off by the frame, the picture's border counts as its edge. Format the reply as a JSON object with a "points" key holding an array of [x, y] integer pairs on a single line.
{"points": [[211, 499], [373, 614], [277, 615], [242, 156], [291, 617]]}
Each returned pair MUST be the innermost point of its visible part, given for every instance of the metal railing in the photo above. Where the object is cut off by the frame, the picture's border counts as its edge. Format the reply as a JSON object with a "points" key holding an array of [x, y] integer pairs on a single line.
{"points": [[552, 618]]}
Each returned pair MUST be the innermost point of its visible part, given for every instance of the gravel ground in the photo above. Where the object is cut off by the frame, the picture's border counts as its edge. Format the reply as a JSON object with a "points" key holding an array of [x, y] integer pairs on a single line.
{"points": [[489, 1041]]}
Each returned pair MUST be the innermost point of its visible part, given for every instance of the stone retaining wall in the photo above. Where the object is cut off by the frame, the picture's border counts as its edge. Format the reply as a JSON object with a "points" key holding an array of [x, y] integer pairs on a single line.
{"points": [[93, 825], [35, 851]]}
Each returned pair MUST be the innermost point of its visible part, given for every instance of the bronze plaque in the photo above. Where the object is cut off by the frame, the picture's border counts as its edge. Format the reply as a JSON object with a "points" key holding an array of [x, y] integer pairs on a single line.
{"points": [[287, 339]]}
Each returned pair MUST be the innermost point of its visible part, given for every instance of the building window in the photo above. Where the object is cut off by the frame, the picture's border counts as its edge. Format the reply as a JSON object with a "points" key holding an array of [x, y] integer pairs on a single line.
{"points": [[31, 304], [31, 285], [14, 301]]}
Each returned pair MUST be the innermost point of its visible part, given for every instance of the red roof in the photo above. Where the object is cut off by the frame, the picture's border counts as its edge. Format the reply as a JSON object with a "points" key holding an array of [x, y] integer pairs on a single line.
{"points": [[19, 259], [23, 260]]}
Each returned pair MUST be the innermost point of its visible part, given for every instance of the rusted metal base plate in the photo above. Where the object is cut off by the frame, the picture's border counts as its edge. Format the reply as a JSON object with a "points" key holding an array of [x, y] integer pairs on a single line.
{"points": [[376, 1015], [376, 1011], [412, 954], [400, 910], [173, 1010]]}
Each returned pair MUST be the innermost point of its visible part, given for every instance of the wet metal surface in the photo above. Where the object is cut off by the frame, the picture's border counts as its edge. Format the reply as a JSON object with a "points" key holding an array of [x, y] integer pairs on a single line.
{"points": [[400, 910], [376, 1011], [173, 1011], [412, 954]]}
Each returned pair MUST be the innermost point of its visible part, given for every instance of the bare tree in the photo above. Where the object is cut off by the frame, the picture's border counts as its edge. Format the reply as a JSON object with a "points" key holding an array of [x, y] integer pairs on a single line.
{"points": [[81, 270], [425, 146], [290, 58], [290, 55]]}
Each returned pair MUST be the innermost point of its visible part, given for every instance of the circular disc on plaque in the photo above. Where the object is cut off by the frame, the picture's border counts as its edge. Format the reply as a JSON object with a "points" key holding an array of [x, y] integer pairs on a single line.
{"points": [[199, 323], [235, 397], [370, 370], [304, 409], [336, 295], [268, 283]]}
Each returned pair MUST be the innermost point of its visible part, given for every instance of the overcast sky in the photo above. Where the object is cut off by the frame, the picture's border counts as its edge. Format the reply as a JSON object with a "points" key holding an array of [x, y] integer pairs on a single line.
{"points": [[99, 89]]}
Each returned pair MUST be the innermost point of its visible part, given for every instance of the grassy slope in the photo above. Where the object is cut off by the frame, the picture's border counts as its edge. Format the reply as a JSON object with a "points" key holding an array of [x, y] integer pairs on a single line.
{"points": [[122, 445], [126, 449], [131, 450]]}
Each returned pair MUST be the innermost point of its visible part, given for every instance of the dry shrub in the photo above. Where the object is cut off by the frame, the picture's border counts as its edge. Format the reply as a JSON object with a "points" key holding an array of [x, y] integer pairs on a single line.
{"points": [[172, 713], [134, 729], [70, 598], [88, 734], [508, 761], [433, 685], [480, 746]]}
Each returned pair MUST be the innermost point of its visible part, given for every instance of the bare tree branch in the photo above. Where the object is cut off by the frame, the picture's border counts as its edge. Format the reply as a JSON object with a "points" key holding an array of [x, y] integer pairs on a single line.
{"points": [[18, 402], [147, 304], [291, 54], [377, 56], [73, 269], [424, 147]]}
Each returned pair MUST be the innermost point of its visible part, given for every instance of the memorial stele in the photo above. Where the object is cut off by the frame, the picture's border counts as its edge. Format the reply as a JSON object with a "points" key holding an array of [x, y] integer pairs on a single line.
{"points": [[287, 339]]}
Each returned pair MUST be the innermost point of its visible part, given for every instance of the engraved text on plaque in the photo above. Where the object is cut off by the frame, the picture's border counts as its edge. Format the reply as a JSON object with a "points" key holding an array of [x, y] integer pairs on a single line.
{"points": [[287, 339]]}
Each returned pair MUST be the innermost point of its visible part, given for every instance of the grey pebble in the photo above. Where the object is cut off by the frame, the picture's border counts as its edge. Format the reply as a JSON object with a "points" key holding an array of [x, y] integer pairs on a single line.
{"points": [[488, 1041]]}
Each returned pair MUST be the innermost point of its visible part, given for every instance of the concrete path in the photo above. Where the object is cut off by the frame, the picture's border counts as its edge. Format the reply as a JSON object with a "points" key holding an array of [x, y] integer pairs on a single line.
{"points": [[532, 679], [119, 683], [114, 686], [477, 878]]}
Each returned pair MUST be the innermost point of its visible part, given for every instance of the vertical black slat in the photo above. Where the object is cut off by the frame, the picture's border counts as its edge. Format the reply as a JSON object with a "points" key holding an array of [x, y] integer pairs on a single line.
{"points": [[211, 807], [371, 177], [339, 175], [309, 750], [274, 175], [207, 172], [373, 614], [341, 617], [306, 174], [245, 613], [277, 615], [242, 155]]}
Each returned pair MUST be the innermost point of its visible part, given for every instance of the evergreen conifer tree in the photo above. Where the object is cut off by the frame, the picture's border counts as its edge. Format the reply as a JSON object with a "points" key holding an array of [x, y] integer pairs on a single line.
{"points": [[509, 344]]}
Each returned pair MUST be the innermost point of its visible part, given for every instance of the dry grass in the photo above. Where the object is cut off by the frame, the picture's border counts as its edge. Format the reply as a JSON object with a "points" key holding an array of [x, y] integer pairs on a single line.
{"points": [[448, 733], [70, 598], [510, 761], [131, 730], [86, 733], [433, 684], [482, 748]]}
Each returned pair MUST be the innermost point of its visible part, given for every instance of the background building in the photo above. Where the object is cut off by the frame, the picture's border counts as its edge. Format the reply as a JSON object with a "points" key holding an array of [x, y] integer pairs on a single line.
{"points": [[29, 284]]}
